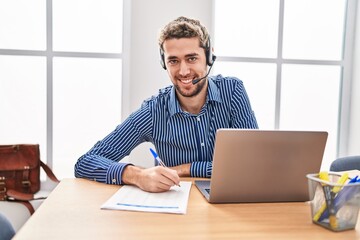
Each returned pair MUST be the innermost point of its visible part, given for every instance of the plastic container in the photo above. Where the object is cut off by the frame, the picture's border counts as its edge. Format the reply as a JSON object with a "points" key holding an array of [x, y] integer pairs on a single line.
{"points": [[334, 206]]}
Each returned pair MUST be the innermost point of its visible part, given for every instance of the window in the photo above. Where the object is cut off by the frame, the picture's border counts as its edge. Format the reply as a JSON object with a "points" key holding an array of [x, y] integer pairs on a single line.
{"points": [[61, 75], [292, 57]]}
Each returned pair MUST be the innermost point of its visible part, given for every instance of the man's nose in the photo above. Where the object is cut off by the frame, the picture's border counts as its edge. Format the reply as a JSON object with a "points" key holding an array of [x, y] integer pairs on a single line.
{"points": [[184, 69]]}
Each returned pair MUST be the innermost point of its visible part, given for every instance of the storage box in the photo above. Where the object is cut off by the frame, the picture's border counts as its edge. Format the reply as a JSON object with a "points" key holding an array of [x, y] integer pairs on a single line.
{"points": [[334, 206]]}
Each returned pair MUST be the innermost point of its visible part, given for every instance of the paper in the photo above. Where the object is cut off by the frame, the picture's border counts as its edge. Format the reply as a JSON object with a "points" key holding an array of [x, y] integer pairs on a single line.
{"points": [[132, 198]]}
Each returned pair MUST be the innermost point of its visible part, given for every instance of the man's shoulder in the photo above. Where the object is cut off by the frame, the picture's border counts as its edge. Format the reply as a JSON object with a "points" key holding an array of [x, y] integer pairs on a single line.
{"points": [[161, 97], [226, 82]]}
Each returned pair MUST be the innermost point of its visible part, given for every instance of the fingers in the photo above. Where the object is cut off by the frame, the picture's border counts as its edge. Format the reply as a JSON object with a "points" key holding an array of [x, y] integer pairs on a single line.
{"points": [[171, 176], [158, 179]]}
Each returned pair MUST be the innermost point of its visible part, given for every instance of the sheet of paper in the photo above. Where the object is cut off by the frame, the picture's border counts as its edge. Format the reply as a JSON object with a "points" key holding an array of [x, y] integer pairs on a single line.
{"points": [[134, 199]]}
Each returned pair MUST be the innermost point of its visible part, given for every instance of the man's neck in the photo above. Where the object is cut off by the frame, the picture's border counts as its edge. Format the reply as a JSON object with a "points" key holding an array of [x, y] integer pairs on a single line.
{"points": [[194, 104]]}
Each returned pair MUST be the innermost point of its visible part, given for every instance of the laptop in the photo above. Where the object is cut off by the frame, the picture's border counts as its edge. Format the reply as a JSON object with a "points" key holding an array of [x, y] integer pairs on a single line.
{"points": [[263, 165]]}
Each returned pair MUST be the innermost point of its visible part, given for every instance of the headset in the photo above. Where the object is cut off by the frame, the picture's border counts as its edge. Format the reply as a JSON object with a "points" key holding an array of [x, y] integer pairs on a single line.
{"points": [[210, 58]]}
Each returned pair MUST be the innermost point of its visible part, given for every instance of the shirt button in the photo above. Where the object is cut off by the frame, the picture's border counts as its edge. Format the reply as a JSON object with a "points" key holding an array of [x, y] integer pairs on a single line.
{"points": [[113, 180], [198, 118], [203, 144]]}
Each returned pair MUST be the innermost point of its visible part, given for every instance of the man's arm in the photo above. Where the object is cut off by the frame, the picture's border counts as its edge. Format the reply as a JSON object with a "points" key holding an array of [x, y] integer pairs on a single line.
{"points": [[242, 114], [102, 162], [183, 170]]}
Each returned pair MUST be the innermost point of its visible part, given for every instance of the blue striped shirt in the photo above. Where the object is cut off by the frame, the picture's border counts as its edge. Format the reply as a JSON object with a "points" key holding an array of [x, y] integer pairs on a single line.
{"points": [[178, 136]]}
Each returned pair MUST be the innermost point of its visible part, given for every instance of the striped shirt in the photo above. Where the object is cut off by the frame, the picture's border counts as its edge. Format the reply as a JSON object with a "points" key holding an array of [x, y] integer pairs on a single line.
{"points": [[178, 136]]}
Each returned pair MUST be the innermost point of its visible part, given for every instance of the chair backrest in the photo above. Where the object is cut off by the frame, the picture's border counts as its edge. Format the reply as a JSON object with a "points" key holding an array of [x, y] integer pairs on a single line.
{"points": [[345, 164], [6, 229]]}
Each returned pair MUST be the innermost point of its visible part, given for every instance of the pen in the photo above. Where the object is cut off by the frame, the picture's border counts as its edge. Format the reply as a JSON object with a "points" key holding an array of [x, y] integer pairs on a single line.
{"points": [[343, 196], [158, 159], [329, 200], [341, 180]]}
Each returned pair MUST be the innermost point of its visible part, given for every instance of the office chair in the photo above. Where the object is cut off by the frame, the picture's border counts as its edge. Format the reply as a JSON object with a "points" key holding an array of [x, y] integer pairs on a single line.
{"points": [[6, 229], [345, 164]]}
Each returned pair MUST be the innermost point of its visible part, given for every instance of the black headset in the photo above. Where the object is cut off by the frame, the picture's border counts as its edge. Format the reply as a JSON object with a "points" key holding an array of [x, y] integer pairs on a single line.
{"points": [[210, 58]]}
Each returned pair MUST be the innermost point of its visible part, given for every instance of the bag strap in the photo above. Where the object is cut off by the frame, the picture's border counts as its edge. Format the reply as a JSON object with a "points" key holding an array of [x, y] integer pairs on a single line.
{"points": [[49, 172], [15, 195], [28, 205]]}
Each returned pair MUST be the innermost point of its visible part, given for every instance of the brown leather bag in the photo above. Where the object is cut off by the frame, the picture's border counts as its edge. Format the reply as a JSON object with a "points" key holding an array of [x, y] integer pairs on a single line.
{"points": [[20, 172]]}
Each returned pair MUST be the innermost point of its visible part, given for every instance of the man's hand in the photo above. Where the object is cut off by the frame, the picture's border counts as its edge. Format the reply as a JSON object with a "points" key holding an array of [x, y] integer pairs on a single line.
{"points": [[155, 179]]}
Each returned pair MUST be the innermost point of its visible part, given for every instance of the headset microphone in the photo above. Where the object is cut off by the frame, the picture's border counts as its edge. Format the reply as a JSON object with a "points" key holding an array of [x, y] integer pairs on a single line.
{"points": [[195, 81]]}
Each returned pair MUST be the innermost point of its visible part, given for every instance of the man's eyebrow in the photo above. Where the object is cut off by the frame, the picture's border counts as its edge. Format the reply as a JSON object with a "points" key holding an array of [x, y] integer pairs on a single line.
{"points": [[187, 56], [192, 55], [171, 57]]}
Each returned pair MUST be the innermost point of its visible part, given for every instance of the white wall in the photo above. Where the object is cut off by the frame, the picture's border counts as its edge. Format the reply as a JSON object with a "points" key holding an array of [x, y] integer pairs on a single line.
{"points": [[354, 133], [147, 18], [146, 74]]}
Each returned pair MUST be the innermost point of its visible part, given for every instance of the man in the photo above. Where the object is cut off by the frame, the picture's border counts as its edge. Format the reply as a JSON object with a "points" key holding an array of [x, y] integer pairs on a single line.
{"points": [[181, 120]]}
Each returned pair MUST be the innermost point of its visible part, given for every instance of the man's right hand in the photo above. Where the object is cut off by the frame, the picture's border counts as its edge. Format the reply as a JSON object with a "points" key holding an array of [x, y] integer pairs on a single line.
{"points": [[155, 179]]}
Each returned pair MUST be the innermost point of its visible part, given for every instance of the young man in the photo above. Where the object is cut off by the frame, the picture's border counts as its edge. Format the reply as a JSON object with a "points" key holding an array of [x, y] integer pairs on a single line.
{"points": [[181, 120]]}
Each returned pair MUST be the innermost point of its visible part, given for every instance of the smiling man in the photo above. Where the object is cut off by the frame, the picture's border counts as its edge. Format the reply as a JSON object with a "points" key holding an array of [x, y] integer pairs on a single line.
{"points": [[181, 120]]}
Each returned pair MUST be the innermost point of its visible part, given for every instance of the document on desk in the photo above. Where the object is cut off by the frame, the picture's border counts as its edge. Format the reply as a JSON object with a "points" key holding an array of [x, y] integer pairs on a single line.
{"points": [[132, 198]]}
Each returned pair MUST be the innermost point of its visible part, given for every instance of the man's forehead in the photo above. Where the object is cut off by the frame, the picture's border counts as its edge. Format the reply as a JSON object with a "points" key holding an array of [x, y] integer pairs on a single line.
{"points": [[181, 42], [182, 46]]}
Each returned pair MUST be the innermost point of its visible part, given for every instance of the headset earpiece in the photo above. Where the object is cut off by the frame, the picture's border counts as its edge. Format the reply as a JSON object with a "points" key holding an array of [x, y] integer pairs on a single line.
{"points": [[162, 59], [210, 58]]}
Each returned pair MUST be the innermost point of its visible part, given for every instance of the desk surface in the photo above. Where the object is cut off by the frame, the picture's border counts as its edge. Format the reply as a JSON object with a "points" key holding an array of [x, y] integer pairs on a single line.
{"points": [[72, 211]]}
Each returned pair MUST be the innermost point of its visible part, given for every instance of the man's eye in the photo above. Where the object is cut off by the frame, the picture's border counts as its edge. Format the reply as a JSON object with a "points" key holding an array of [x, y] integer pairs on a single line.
{"points": [[173, 62], [192, 59]]}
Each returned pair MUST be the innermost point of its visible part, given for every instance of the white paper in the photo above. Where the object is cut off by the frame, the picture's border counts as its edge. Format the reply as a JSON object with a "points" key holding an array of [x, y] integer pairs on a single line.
{"points": [[134, 199]]}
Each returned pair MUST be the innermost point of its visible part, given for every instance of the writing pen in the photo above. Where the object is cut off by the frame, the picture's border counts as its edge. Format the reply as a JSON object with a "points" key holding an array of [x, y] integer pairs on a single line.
{"points": [[158, 159]]}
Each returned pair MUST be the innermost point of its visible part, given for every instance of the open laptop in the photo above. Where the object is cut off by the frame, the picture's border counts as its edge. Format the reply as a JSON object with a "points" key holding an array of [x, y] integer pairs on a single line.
{"points": [[263, 165]]}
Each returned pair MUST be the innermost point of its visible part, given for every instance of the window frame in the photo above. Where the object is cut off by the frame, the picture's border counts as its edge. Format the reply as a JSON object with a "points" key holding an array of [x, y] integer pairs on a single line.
{"points": [[50, 54], [346, 65]]}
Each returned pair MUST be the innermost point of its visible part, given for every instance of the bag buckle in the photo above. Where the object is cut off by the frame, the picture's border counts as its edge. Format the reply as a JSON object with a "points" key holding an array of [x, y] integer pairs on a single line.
{"points": [[2, 182], [2, 187], [26, 183]]}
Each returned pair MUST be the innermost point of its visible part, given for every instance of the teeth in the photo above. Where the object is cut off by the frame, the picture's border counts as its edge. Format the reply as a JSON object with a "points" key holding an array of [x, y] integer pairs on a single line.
{"points": [[186, 81]]}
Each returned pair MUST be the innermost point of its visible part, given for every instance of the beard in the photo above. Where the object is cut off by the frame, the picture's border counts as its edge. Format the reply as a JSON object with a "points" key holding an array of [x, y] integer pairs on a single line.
{"points": [[198, 87]]}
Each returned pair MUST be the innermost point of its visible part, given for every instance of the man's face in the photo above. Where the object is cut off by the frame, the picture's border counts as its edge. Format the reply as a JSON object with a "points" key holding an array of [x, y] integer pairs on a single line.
{"points": [[185, 61]]}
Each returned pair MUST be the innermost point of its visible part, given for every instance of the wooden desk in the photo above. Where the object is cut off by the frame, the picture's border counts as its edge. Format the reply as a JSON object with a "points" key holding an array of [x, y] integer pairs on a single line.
{"points": [[72, 211]]}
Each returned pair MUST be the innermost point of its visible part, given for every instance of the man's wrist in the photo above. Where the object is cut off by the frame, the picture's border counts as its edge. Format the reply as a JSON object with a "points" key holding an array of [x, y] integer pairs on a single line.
{"points": [[130, 175], [183, 170]]}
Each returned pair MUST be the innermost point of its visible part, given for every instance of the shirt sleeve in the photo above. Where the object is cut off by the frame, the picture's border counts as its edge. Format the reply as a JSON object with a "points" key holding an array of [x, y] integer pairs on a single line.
{"points": [[102, 162], [242, 115], [201, 169]]}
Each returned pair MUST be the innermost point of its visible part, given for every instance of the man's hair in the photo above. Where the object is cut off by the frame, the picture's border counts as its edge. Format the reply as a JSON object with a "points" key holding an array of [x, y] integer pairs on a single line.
{"points": [[184, 27]]}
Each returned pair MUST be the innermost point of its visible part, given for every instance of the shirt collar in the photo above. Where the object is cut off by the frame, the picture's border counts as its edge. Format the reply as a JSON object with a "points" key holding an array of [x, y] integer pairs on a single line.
{"points": [[213, 95]]}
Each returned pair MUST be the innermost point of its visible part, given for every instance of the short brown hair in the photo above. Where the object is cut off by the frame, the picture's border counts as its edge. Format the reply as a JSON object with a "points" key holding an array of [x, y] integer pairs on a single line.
{"points": [[184, 27]]}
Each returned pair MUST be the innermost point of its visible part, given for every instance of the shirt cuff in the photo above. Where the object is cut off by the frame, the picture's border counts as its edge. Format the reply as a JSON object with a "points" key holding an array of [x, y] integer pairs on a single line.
{"points": [[201, 169], [114, 173]]}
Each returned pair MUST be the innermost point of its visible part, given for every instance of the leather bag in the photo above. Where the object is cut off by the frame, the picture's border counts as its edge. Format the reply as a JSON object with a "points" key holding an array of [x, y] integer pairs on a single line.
{"points": [[20, 173]]}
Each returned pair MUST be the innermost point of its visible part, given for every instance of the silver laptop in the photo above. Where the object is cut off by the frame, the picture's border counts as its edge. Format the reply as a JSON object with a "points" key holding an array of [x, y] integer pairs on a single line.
{"points": [[263, 165]]}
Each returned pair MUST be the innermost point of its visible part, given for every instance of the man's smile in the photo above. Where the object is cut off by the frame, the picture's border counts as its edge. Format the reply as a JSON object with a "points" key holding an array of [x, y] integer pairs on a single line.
{"points": [[185, 80]]}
